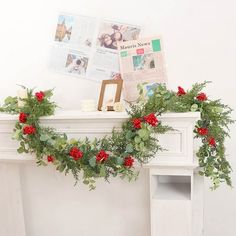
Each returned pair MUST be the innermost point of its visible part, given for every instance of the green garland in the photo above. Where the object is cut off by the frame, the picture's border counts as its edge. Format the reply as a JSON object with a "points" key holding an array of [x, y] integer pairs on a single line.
{"points": [[115, 155]]}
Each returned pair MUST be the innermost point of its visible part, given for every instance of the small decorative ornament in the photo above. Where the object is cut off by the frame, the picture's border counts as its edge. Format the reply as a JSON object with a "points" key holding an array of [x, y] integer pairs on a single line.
{"points": [[104, 109], [118, 107]]}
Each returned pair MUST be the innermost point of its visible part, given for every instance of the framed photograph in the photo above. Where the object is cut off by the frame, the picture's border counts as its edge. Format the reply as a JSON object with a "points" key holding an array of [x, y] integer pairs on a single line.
{"points": [[109, 94]]}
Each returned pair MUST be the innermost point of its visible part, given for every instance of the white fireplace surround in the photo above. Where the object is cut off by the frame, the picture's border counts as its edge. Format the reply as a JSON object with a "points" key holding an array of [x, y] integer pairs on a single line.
{"points": [[176, 190]]}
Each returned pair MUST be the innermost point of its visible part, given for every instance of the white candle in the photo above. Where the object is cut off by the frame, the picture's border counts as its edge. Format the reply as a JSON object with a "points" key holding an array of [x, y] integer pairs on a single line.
{"points": [[88, 105], [21, 94]]}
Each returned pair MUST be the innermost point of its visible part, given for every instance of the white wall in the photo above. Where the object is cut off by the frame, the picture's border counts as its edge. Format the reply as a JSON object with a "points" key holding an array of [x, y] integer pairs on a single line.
{"points": [[199, 39]]}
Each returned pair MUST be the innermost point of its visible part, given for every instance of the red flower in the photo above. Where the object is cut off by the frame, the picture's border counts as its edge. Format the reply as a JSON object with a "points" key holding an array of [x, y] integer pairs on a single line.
{"points": [[201, 97], [76, 153], [102, 156], [40, 96], [23, 117], [151, 119], [181, 91], [29, 129], [137, 123], [128, 161], [50, 158], [202, 131], [212, 141]]}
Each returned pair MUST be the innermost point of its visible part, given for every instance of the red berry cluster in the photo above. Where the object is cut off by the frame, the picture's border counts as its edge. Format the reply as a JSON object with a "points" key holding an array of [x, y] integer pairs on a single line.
{"points": [[128, 161], [76, 153], [40, 96], [203, 131], [29, 129], [50, 158], [150, 119], [23, 117], [102, 156], [137, 122], [181, 91], [201, 97]]}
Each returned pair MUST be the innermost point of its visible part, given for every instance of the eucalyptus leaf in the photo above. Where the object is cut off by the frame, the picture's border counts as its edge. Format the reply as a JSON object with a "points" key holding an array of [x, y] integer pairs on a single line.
{"points": [[194, 107], [218, 109], [92, 161], [73, 141], [86, 181], [137, 139], [146, 137], [61, 167], [16, 134], [51, 142], [20, 150], [129, 134], [9, 100], [142, 145], [119, 160], [44, 137], [129, 148], [102, 171], [142, 133]]}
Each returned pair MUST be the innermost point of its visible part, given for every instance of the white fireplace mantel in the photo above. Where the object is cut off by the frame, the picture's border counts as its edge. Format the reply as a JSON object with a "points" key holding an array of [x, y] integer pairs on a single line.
{"points": [[176, 191], [96, 124]]}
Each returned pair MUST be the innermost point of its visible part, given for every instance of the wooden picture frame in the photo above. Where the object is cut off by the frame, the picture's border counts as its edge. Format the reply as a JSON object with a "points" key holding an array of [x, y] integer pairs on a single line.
{"points": [[114, 86]]}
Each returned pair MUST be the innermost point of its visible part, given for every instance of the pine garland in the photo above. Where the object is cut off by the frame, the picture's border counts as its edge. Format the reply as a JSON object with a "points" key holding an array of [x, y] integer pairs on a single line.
{"points": [[136, 142]]}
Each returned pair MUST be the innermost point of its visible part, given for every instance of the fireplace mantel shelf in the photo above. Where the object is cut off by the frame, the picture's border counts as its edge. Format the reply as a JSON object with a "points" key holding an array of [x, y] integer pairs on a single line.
{"points": [[77, 114], [80, 124]]}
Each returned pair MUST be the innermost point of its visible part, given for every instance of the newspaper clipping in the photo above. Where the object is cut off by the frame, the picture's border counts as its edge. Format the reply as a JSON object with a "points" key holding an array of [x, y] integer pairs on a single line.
{"points": [[141, 62], [87, 47]]}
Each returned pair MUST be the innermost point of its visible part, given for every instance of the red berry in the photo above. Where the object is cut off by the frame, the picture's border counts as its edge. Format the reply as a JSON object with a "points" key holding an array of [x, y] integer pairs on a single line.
{"points": [[151, 119], [50, 158], [76, 153], [102, 156], [128, 161], [137, 123], [23, 117], [40, 96], [181, 91], [201, 97]]}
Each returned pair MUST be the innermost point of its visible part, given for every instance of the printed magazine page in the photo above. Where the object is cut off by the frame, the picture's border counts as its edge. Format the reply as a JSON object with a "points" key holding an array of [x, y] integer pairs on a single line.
{"points": [[87, 47], [141, 61]]}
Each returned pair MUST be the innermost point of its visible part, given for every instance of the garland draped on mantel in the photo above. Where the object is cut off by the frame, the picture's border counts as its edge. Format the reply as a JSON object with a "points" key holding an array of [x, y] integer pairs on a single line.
{"points": [[137, 141]]}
